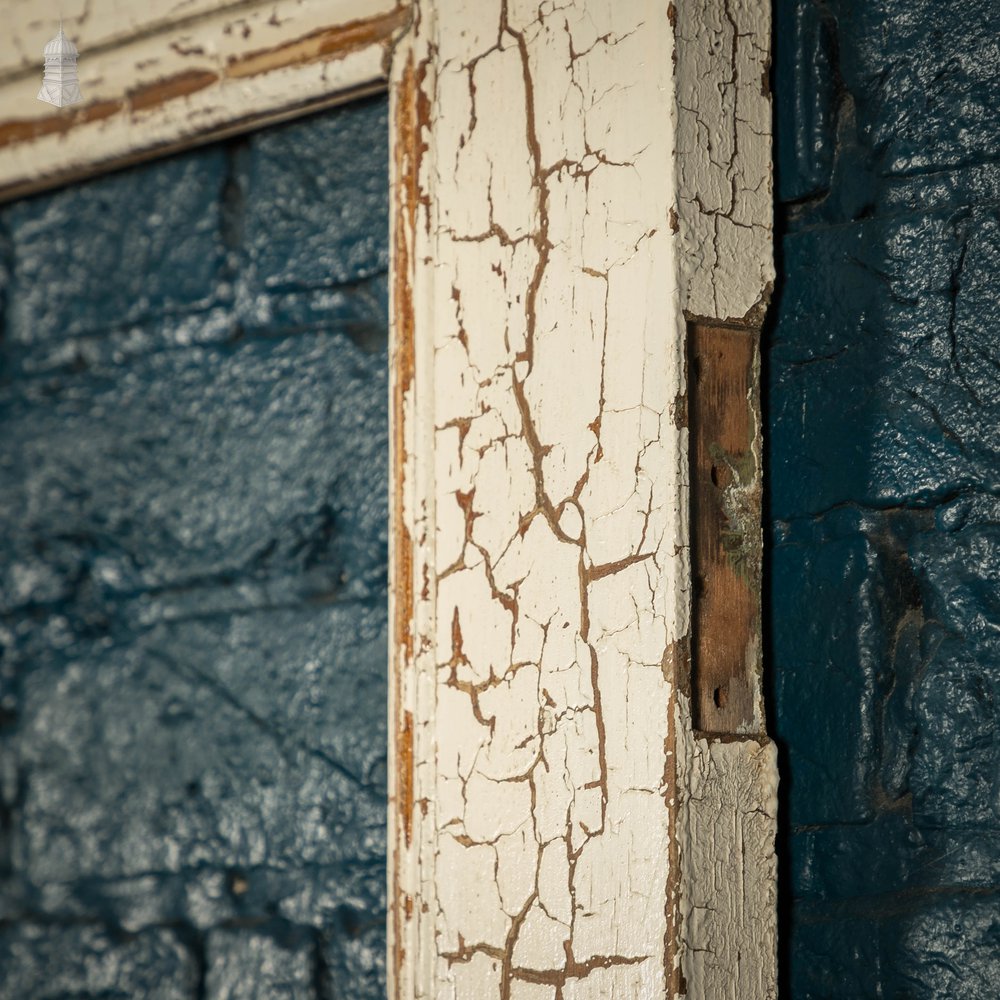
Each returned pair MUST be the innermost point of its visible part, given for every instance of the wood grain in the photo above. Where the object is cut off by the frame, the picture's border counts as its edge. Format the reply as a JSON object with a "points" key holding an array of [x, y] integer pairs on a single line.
{"points": [[725, 529]]}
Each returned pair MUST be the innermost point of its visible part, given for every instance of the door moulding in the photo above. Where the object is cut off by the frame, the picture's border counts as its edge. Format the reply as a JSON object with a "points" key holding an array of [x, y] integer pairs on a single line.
{"points": [[578, 191], [180, 74]]}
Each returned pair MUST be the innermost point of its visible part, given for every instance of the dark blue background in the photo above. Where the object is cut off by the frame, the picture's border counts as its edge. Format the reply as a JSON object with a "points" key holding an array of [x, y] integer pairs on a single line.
{"points": [[884, 491], [193, 479]]}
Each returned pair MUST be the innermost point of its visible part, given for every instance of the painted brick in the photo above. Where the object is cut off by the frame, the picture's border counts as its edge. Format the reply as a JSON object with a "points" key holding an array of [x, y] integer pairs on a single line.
{"points": [[353, 954], [955, 776], [317, 211], [823, 693], [806, 121], [937, 951], [883, 404], [921, 78], [193, 522], [835, 956], [41, 961], [196, 739], [126, 463], [117, 249], [881, 390], [949, 950], [245, 964]]}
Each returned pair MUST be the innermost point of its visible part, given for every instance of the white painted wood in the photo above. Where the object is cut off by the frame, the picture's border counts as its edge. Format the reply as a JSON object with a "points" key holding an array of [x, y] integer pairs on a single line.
{"points": [[724, 156], [728, 934], [92, 24], [179, 73], [728, 868], [543, 500], [541, 578]]}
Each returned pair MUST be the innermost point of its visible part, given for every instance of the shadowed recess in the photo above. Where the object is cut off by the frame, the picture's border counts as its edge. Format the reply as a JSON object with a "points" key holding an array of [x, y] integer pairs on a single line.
{"points": [[884, 494]]}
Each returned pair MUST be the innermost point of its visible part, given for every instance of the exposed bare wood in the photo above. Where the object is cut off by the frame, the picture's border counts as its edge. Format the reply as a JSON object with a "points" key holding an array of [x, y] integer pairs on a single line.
{"points": [[324, 43], [724, 422], [408, 128], [565, 199], [98, 25], [727, 783], [153, 95]]}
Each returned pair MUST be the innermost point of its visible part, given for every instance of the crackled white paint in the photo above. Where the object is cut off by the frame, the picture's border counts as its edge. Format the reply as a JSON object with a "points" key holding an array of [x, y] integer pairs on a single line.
{"points": [[727, 787], [258, 62], [558, 833], [92, 23], [541, 547], [724, 155], [545, 488], [728, 868], [727, 926]]}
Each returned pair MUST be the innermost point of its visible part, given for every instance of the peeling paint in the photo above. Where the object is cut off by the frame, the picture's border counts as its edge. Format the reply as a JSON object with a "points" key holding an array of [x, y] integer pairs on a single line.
{"points": [[184, 78], [565, 200], [543, 487], [406, 154], [727, 781], [724, 158], [154, 94], [728, 868], [26, 130], [324, 43], [543, 535]]}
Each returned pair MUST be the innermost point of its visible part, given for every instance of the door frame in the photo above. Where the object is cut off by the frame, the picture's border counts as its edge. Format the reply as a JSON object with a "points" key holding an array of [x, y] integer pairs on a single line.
{"points": [[580, 263]]}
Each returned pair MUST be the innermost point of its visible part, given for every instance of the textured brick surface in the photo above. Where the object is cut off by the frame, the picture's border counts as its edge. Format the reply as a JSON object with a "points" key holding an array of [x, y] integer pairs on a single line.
{"points": [[884, 457], [96, 256], [47, 962], [325, 238], [193, 512], [245, 964]]}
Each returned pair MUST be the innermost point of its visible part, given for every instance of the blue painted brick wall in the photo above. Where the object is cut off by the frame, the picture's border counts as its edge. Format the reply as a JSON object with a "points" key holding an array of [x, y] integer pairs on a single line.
{"points": [[884, 493], [193, 518]]}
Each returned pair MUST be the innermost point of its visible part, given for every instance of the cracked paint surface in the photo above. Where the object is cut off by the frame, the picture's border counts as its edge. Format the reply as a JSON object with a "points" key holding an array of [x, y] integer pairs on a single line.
{"points": [[727, 823], [162, 75], [728, 946], [542, 505], [724, 157]]}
